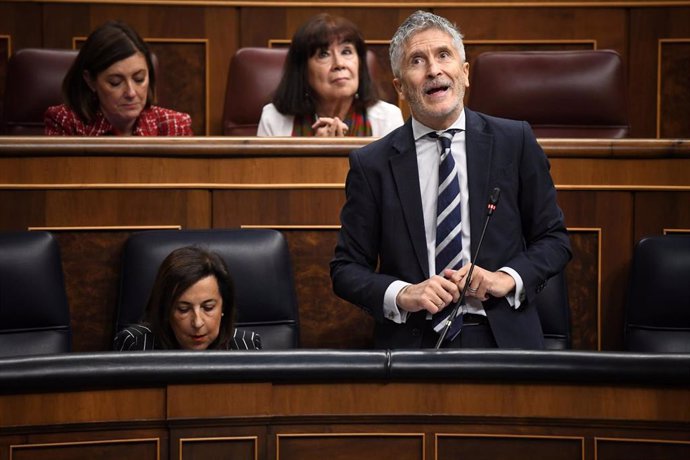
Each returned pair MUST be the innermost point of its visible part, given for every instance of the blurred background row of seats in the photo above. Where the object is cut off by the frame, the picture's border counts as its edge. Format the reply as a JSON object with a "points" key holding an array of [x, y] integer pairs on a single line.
{"points": [[34, 311], [578, 94], [35, 316]]}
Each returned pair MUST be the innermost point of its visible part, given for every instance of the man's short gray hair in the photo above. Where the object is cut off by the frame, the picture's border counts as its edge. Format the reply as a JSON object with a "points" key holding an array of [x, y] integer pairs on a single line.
{"points": [[418, 22]]}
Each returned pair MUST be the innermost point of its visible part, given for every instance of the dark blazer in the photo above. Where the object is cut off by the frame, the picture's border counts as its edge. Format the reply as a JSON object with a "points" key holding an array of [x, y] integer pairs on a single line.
{"points": [[383, 226]]}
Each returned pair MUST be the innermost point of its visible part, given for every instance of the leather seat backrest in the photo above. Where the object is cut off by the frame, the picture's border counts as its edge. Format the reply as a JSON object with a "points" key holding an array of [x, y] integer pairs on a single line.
{"points": [[259, 263], [657, 315], [578, 94], [253, 77], [33, 83], [554, 312], [34, 313]]}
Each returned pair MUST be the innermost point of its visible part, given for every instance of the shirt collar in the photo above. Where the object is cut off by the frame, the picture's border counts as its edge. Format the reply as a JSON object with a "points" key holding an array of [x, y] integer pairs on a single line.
{"points": [[419, 130]]}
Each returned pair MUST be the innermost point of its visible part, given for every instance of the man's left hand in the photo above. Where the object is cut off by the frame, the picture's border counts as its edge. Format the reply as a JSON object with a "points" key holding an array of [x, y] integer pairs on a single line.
{"points": [[483, 284]]}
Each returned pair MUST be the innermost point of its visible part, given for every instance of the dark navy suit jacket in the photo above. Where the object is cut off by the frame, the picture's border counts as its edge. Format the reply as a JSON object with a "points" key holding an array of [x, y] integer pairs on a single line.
{"points": [[382, 235]]}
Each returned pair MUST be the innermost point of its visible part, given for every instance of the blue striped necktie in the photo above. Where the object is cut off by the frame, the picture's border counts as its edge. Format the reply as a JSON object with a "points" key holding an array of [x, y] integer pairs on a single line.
{"points": [[448, 224]]}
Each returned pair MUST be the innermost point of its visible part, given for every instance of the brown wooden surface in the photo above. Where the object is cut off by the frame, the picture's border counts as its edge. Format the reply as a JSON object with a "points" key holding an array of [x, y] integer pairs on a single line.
{"points": [[94, 193], [339, 420], [195, 41], [73, 407], [129, 448]]}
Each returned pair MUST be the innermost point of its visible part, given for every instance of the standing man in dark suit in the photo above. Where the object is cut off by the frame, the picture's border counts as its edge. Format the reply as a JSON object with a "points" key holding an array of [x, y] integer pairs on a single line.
{"points": [[386, 255]]}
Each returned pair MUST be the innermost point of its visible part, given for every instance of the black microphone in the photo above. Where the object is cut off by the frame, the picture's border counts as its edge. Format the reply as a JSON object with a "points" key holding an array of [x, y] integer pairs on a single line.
{"points": [[490, 208]]}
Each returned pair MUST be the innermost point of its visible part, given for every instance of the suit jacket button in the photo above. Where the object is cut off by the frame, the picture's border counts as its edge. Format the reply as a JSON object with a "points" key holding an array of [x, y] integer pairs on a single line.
{"points": [[416, 332]]}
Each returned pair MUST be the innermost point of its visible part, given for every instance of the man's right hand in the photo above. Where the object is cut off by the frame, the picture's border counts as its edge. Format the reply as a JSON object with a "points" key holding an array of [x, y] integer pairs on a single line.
{"points": [[432, 295]]}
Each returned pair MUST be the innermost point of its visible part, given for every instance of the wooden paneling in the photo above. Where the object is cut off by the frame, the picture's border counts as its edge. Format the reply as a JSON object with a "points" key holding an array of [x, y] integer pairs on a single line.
{"points": [[349, 446], [510, 447], [584, 288], [219, 400], [540, 28], [235, 448], [609, 213], [647, 27], [276, 207], [182, 81], [141, 449], [21, 21], [432, 398], [325, 319], [641, 449], [339, 419], [673, 117], [15, 33], [67, 407], [656, 212], [91, 265], [20, 209]]}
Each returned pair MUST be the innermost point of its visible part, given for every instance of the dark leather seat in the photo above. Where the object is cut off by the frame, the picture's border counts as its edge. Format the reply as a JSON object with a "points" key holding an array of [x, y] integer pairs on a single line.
{"points": [[34, 313], [258, 260], [577, 94], [554, 313], [253, 77], [657, 316], [33, 83]]}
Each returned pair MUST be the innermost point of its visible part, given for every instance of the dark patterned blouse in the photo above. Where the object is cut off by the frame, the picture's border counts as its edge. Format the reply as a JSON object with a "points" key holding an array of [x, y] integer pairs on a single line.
{"points": [[60, 120], [139, 337]]}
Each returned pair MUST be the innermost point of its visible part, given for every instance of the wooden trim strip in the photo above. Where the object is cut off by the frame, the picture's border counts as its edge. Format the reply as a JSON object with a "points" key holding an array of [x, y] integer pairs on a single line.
{"points": [[107, 228], [388, 4], [157, 441], [293, 227], [305, 186], [255, 147]]}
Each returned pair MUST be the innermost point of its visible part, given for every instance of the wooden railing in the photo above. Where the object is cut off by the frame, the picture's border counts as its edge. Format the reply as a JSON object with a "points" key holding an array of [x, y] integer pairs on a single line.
{"points": [[315, 404]]}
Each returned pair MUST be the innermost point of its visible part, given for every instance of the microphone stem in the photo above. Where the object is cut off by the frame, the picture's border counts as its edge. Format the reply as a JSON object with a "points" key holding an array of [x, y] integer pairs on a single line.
{"points": [[456, 306]]}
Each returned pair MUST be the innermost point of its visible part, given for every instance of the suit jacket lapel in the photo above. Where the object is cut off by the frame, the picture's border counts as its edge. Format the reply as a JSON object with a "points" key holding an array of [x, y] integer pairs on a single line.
{"points": [[479, 146], [406, 178]]}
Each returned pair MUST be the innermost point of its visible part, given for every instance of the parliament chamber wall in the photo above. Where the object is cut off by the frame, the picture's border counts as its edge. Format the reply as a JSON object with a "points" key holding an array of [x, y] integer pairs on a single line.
{"points": [[195, 39]]}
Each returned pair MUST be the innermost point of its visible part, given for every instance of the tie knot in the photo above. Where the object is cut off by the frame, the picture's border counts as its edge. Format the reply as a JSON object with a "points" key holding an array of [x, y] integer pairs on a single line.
{"points": [[445, 137]]}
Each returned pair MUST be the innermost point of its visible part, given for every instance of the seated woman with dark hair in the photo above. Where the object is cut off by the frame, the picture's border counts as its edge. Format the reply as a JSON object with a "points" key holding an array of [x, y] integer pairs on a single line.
{"points": [[326, 88], [110, 89], [191, 308]]}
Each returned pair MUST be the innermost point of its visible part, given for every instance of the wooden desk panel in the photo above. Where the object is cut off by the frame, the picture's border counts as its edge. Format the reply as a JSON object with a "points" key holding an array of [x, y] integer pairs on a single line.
{"points": [[311, 421], [270, 405]]}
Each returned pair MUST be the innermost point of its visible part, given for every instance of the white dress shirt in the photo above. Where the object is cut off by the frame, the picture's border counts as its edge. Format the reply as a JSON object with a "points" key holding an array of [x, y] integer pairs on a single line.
{"points": [[428, 160]]}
